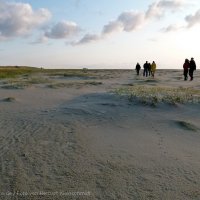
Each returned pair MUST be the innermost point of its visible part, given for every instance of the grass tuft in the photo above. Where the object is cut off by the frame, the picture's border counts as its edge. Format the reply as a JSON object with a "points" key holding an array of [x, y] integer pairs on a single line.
{"points": [[155, 95], [9, 99], [187, 126], [13, 72]]}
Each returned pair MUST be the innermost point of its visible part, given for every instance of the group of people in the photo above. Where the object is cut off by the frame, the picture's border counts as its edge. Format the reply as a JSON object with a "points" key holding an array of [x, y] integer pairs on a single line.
{"points": [[189, 66], [149, 69]]}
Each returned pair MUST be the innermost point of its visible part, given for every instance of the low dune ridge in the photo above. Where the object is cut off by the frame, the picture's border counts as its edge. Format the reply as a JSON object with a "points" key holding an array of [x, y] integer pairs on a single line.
{"points": [[108, 134], [9, 99], [187, 125]]}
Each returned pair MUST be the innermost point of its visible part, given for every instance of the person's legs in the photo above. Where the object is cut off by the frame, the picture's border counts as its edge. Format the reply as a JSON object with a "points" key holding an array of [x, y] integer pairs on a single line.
{"points": [[185, 75], [191, 74], [146, 72]]}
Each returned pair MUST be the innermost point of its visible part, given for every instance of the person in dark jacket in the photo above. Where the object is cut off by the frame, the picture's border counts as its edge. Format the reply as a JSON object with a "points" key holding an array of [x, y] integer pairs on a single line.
{"points": [[149, 69], [145, 66], [192, 68], [186, 66], [137, 68]]}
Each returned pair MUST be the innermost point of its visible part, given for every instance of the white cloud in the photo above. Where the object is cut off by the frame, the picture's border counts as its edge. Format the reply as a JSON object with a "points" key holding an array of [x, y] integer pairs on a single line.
{"points": [[131, 20], [88, 38], [192, 20], [126, 21], [175, 4], [63, 30], [153, 11], [113, 26], [41, 40], [19, 19], [158, 9], [171, 28]]}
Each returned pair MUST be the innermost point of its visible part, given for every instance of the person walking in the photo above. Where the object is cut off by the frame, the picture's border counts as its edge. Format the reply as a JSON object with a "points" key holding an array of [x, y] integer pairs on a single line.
{"points": [[186, 66], [153, 68], [149, 69], [137, 68], [145, 66], [192, 68]]}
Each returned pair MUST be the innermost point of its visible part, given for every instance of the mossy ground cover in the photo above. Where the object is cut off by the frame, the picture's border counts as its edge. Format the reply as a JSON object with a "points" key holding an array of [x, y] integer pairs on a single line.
{"points": [[156, 94], [13, 72]]}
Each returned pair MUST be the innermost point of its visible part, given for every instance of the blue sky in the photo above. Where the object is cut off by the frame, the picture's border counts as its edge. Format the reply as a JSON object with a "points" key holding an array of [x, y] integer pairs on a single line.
{"points": [[98, 34]]}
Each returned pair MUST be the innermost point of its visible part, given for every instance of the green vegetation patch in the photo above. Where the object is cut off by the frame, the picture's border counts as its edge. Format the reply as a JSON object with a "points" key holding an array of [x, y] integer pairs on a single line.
{"points": [[154, 94], [12, 72]]}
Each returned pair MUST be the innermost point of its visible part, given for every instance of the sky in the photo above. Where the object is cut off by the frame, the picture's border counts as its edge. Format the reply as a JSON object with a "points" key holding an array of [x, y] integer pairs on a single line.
{"points": [[99, 34]]}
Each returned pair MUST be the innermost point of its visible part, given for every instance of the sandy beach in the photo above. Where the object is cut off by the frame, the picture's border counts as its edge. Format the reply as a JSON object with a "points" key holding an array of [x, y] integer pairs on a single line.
{"points": [[100, 134]]}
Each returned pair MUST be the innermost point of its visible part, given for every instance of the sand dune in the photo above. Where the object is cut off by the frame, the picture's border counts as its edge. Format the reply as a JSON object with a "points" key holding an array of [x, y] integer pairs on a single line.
{"points": [[80, 139]]}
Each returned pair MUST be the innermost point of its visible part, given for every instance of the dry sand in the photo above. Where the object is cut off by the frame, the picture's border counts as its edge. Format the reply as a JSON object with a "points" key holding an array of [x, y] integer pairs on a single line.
{"points": [[73, 134]]}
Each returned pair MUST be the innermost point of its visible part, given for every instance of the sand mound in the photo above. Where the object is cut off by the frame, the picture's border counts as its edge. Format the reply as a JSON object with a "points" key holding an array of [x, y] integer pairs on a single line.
{"points": [[187, 126], [9, 99]]}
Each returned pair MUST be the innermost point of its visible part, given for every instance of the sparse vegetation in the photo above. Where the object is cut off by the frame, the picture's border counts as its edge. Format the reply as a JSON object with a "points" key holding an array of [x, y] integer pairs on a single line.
{"points": [[15, 85], [187, 126], [93, 83], [21, 83], [9, 99], [73, 84], [12, 72], [155, 95], [35, 80]]}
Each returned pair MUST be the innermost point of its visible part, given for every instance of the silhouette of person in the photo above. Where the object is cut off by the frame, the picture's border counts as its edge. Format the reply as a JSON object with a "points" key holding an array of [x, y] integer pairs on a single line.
{"points": [[137, 68], [192, 68], [153, 68], [149, 69], [145, 66], [186, 66]]}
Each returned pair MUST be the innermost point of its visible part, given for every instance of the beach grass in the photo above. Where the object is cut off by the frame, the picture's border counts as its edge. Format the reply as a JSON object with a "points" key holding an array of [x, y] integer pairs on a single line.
{"points": [[13, 72], [19, 83], [155, 94], [9, 99], [73, 84], [187, 126]]}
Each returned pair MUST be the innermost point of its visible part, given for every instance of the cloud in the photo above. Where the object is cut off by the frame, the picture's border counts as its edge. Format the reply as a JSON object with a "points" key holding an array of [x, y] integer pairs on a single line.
{"points": [[129, 21], [167, 4], [192, 20], [62, 30], [126, 21], [157, 9], [88, 38], [171, 28], [41, 40], [113, 26], [19, 19], [153, 11]]}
